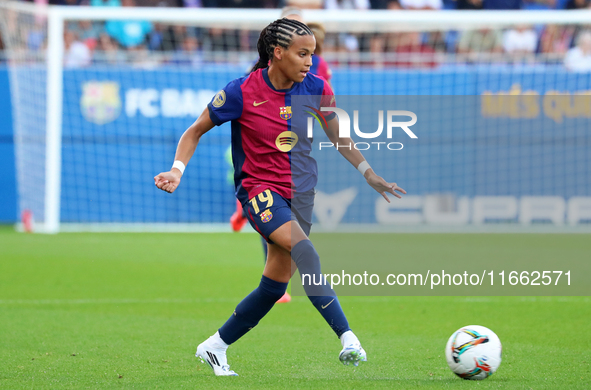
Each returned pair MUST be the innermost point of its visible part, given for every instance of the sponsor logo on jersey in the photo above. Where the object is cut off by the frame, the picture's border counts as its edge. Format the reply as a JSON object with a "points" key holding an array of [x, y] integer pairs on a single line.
{"points": [[100, 102], [285, 112], [219, 99], [266, 216], [286, 141]]}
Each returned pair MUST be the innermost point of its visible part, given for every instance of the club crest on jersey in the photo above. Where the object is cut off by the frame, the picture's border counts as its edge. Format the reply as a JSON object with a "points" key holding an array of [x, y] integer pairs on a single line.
{"points": [[285, 112], [286, 141], [266, 216], [100, 102], [219, 99]]}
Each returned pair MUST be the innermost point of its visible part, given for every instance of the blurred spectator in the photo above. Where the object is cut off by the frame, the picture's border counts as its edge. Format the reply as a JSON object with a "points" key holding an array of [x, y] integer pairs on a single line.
{"points": [[167, 38], [108, 52], [192, 3], [346, 42], [36, 36], [159, 3], [578, 59], [63, 2], [502, 4], [437, 41], [411, 52], [319, 65], [393, 5], [405, 50], [520, 40], [240, 3], [141, 57], [421, 4], [105, 3], [87, 32], [76, 53], [577, 4], [346, 4], [540, 4], [156, 36], [556, 39], [469, 4], [189, 54], [377, 48], [130, 33], [378, 4], [221, 40], [474, 43], [2, 55], [85, 29], [305, 4]]}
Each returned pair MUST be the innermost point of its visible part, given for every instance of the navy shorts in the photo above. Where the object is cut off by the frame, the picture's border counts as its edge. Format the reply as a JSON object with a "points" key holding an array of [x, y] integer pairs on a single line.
{"points": [[267, 211]]}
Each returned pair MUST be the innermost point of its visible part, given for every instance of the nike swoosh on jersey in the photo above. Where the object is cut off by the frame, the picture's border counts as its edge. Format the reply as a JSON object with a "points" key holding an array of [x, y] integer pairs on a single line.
{"points": [[258, 104], [325, 306]]}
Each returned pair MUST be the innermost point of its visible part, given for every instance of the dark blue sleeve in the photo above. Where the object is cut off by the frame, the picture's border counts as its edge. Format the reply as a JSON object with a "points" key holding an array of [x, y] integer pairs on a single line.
{"points": [[226, 105]]}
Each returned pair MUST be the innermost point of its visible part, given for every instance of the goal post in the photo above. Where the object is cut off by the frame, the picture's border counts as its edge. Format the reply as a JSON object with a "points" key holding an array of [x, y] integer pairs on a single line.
{"points": [[55, 55], [94, 122]]}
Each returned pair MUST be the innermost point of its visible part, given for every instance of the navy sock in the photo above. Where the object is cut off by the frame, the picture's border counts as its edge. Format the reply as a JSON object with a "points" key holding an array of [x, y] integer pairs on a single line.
{"points": [[249, 312], [322, 296]]}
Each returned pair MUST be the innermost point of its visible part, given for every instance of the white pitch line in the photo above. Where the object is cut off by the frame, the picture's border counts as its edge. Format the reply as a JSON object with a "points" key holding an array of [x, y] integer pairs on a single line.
{"points": [[367, 299], [110, 301]]}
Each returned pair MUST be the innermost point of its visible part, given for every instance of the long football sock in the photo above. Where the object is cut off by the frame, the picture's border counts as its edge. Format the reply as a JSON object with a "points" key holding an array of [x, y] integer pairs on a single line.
{"points": [[322, 296], [249, 312]]}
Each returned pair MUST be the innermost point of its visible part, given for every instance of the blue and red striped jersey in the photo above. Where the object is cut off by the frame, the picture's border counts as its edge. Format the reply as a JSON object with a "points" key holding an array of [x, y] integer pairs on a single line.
{"points": [[270, 149]]}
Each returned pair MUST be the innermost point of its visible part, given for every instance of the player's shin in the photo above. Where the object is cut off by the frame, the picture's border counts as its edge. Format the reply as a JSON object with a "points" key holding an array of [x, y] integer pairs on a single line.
{"points": [[249, 312], [317, 288]]}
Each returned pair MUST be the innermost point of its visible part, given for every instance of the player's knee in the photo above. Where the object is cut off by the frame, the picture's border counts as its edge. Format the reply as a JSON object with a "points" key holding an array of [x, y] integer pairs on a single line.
{"points": [[288, 235], [296, 240]]}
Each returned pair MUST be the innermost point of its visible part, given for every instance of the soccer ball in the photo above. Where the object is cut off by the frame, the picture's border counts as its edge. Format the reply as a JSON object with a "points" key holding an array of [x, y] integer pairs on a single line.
{"points": [[473, 352]]}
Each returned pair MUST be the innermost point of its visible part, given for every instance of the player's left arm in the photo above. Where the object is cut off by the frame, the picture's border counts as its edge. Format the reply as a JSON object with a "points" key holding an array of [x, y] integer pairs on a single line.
{"points": [[355, 157]]}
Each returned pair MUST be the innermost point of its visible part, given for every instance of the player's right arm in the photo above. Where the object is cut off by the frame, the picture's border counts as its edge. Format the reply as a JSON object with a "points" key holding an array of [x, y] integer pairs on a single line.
{"points": [[169, 181]]}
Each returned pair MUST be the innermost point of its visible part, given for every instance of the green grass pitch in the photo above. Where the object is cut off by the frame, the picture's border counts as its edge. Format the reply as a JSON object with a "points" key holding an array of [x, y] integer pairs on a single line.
{"points": [[128, 310]]}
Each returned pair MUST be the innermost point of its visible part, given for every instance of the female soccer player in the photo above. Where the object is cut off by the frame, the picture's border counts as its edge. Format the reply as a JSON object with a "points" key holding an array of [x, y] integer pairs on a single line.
{"points": [[319, 68], [274, 177]]}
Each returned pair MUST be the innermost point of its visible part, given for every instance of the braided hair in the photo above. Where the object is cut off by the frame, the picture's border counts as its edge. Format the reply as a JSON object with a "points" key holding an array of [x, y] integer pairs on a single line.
{"points": [[278, 33]]}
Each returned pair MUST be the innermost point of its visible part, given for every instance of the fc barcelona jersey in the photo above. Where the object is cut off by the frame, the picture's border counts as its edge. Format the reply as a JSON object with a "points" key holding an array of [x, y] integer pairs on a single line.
{"points": [[270, 147]]}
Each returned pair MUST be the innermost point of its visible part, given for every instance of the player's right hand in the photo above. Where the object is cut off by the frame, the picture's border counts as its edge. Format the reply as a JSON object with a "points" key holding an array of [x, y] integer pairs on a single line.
{"points": [[168, 181]]}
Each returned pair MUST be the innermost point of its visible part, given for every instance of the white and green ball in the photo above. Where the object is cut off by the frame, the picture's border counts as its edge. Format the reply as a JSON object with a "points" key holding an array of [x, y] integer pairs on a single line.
{"points": [[473, 352]]}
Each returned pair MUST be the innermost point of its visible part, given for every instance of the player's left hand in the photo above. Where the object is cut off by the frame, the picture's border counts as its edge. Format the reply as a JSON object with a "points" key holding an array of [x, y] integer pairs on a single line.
{"points": [[383, 187]]}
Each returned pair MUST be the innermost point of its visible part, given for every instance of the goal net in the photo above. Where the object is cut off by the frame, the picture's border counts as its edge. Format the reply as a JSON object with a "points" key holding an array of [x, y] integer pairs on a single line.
{"points": [[101, 96]]}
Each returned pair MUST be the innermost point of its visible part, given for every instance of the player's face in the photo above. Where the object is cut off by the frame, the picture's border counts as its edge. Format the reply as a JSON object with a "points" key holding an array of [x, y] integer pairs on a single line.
{"points": [[297, 60]]}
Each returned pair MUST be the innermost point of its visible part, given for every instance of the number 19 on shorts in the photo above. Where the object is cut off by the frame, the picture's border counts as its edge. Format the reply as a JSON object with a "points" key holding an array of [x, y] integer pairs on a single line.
{"points": [[264, 197]]}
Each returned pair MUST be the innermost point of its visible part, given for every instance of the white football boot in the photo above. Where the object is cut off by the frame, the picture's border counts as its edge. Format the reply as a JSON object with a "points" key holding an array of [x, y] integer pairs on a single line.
{"points": [[213, 352], [352, 351]]}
